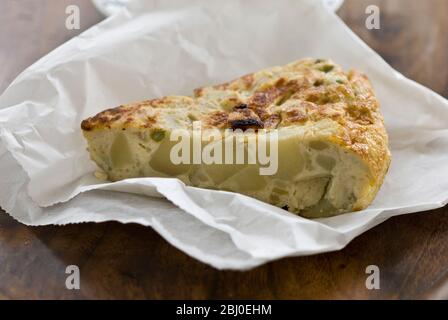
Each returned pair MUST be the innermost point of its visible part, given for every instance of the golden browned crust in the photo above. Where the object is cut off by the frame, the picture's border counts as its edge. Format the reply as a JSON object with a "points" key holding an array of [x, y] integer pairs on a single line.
{"points": [[142, 114], [308, 90]]}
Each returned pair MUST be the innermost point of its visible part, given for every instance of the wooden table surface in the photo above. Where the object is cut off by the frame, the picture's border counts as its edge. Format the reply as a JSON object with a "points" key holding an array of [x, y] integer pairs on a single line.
{"points": [[131, 261]]}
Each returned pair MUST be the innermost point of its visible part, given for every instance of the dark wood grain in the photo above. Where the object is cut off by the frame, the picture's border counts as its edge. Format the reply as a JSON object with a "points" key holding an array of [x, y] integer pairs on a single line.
{"points": [[131, 261]]}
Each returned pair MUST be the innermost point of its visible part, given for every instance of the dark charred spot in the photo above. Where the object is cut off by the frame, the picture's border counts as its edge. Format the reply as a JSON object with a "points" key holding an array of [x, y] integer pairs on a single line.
{"points": [[318, 83], [245, 124], [244, 119], [285, 208], [241, 106]]}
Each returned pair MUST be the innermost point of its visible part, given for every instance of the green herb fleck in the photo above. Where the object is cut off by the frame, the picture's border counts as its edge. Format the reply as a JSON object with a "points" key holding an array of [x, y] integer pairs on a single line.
{"points": [[158, 135], [192, 117], [326, 68]]}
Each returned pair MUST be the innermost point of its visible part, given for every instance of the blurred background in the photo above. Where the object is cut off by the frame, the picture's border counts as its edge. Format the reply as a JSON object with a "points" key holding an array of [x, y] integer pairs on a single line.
{"points": [[131, 261]]}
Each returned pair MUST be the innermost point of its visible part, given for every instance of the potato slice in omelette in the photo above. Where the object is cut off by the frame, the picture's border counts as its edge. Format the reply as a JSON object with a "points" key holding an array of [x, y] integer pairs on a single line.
{"points": [[332, 144]]}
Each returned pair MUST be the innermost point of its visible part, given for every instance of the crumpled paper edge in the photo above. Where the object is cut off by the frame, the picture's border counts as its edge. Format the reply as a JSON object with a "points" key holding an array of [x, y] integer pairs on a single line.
{"points": [[428, 206], [111, 7]]}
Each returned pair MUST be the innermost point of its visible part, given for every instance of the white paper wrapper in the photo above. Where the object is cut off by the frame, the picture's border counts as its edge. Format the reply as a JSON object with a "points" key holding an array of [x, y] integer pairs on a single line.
{"points": [[155, 48], [110, 7]]}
